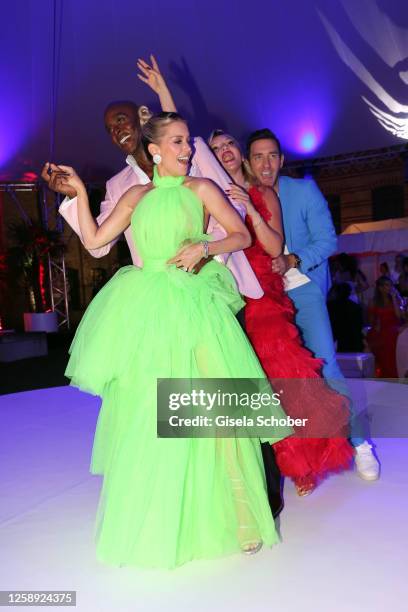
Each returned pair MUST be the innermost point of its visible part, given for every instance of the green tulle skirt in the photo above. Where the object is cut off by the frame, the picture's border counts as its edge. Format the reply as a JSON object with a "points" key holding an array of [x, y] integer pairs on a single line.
{"points": [[167, 501]]}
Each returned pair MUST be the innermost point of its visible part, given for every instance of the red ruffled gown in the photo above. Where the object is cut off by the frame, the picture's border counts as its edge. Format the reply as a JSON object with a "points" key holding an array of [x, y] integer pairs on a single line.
{"points": [[272, 331]]}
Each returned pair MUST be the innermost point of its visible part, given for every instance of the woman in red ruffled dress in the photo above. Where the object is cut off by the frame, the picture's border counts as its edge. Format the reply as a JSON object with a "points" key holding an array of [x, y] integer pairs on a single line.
{"points": [[385, 315], [322, 446]]}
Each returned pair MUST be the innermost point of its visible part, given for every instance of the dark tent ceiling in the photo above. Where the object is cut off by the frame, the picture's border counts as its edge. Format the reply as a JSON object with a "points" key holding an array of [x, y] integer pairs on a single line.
{"points": [[329, 76]]}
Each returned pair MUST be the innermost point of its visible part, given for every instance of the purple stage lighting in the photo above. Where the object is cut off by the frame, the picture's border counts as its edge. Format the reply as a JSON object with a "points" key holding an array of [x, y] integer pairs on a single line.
{"points": [[307, 141]]}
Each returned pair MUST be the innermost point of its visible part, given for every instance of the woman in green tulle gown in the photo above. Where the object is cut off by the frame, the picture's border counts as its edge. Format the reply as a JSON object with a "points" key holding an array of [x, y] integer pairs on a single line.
{"points": [[167, 501]]}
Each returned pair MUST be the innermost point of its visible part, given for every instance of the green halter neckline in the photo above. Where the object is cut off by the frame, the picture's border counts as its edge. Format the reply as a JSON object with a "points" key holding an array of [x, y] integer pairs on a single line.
{"points": [[166, 181]]}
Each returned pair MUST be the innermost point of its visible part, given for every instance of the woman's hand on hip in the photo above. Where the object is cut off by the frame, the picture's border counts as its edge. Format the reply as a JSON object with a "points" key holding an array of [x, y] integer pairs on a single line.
{"points": [[188, 256]]}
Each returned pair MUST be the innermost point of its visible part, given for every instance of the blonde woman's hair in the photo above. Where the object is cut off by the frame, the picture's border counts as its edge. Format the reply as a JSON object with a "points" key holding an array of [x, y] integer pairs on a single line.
{"points": [[152, 130], [246, 168]]}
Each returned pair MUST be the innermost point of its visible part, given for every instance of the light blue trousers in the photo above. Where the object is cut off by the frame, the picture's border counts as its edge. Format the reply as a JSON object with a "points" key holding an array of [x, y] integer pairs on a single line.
{"points": [[313, 321]]}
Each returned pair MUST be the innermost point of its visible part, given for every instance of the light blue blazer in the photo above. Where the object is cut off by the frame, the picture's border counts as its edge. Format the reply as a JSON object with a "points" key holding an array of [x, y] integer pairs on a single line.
{"points": [[308, 226]]}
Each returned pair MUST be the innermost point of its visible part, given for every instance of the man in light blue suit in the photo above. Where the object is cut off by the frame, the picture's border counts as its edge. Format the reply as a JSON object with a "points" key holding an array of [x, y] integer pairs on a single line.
{"points": [[310, 240]]}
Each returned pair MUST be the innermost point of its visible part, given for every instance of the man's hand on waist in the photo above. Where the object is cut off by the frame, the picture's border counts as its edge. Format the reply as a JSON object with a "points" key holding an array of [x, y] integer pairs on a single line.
{"points": [[283, 263]]}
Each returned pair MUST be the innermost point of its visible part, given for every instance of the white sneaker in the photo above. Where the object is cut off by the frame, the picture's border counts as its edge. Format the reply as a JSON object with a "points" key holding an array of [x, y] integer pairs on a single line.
{"points": [[367, 465]]}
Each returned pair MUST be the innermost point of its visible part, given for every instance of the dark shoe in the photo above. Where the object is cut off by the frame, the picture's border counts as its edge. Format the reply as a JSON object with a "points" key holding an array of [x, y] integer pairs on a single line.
{"points": [[273, 479]]}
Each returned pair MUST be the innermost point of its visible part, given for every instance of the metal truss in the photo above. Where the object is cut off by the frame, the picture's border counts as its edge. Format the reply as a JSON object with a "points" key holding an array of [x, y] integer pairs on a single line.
{"points": [[59, 288], [50, 220]]}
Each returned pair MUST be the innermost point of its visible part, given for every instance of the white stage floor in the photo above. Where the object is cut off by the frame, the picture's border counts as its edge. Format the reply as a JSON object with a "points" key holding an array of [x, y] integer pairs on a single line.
{"points": [[344, 548]]}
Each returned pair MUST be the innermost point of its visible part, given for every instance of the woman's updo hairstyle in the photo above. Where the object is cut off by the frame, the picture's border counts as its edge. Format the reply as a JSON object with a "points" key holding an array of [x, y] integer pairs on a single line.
{"points": [[152, 130]]}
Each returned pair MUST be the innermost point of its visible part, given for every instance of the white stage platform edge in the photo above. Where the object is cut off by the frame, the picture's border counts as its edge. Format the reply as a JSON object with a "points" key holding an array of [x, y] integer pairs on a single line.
{"points": [[344, 548]]}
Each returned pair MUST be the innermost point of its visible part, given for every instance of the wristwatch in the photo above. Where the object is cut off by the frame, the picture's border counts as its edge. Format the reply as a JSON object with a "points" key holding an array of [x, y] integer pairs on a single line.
{"points": [[298, 261]]}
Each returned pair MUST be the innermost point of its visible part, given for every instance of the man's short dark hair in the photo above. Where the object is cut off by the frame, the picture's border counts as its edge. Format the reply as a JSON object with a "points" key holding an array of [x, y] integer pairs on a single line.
{"points": [[264, 134], [132, 105]]}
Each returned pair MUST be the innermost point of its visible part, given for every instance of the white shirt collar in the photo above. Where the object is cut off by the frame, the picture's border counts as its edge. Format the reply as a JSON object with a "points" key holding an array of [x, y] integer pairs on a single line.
{"points": [[130, 160]]}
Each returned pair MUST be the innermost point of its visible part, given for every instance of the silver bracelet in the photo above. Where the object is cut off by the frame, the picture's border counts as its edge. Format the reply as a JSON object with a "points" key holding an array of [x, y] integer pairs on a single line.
{"points": [[205, 245]]}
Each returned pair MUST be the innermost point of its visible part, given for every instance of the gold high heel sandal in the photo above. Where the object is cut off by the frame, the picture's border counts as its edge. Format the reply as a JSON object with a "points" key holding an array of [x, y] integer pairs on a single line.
{"points": [[305, 486], [249, 546], [252, 549]]}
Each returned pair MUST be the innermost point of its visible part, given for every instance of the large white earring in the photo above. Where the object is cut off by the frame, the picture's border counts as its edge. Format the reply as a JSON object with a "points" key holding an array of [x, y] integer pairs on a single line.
{"points": [[157, 158]]}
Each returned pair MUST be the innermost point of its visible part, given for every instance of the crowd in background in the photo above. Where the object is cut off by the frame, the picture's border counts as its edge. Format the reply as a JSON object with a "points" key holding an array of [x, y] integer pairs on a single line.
{"points": [[362, 324]]}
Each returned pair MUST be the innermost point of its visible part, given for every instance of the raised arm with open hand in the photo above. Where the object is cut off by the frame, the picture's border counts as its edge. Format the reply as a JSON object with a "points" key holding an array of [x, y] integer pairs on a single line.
{"points": [[151, 75]]}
